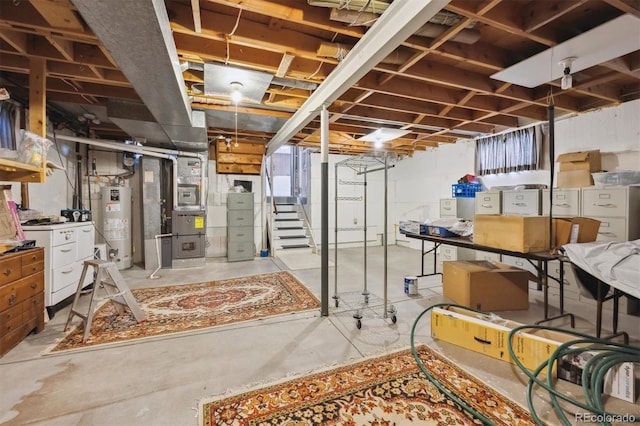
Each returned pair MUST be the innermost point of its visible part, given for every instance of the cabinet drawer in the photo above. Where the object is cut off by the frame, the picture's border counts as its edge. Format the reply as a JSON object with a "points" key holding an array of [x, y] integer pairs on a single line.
{"points": [[15, 293], [66, 275], [63, 255], [240, 201], [32, 268], [10, 319], [33, 307], [566, 202], [85, 241], [488, 256], [488, 202], [62, 236], [526, 202], [240, 251], [240, 218], [612, 229], [10, 269], [520, 263], [33, 256], [604, 202], [242, 234], [448, 253]]}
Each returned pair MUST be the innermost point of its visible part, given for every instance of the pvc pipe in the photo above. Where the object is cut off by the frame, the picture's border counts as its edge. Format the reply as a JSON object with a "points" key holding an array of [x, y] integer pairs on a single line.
{"points": [[153, 275]]}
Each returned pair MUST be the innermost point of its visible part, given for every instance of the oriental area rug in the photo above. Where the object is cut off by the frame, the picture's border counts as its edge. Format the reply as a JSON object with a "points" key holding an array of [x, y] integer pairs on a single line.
{"points": [[190, 307], [386, 390]]}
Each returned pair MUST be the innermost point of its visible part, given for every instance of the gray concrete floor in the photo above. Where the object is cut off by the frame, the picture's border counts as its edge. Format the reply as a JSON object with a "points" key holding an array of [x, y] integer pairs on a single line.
{"points": [[160, 381]]}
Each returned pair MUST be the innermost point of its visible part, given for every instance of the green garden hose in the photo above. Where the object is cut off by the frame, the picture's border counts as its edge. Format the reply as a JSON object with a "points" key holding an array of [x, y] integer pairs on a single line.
{"points": [[608, 354]]}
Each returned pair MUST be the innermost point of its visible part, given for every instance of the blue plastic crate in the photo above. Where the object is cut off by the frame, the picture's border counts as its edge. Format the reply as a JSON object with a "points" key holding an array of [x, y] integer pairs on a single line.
{"points": [[465, 190]]}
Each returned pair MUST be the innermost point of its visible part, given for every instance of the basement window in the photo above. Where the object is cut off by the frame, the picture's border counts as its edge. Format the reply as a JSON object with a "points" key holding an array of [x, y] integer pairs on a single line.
{"points": [[509, 152]]}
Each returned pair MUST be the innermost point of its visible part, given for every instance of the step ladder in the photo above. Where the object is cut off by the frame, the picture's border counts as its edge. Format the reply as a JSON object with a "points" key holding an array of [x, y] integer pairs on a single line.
{"points": [[107, 276]]}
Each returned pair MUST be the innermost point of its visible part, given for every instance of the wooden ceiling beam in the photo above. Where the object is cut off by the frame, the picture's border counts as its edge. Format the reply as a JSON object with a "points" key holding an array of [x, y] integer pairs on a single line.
{"points": [[541, 13], [58, 13], [16, 39]]}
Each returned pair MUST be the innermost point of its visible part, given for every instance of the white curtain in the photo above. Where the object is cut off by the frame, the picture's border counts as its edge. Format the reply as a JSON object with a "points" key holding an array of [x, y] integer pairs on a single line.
{"points": [[509, 152]]}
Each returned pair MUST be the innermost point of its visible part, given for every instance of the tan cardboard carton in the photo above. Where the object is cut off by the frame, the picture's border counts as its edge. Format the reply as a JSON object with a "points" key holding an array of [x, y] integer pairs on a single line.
{"points": [[486, 286], [523, 234], [575, 230], [581, 160], [574, 179]]}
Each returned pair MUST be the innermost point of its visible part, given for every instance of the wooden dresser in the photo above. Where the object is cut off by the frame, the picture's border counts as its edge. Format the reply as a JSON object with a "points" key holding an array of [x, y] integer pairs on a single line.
{"points": [[21, 296]]}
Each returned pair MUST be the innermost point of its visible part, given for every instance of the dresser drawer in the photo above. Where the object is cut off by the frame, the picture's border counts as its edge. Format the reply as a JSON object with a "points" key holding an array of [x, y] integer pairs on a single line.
{"points": [[33, 307], [240, 234], [32, 268], [488, 202], [86, 241], [604, 202], [240, 201], [62, 236], [240, 218], [566, 202], [10, 319], [32, 256], [18, 291], [63, 255], [10, 269], [525, 202], [612, 229]]}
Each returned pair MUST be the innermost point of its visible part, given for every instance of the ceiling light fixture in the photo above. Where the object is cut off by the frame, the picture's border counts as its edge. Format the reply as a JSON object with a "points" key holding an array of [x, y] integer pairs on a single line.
{"points": [[567, 81], [236, 94], [381, 135]]}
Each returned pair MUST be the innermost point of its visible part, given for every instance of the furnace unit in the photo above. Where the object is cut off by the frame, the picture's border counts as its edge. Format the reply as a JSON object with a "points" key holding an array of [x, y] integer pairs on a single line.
{"points": [[189, 238]]}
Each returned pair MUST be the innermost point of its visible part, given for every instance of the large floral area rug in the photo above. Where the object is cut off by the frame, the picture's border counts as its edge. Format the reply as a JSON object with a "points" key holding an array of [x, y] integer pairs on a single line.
{"points": [[190, 307], [387, 390]]}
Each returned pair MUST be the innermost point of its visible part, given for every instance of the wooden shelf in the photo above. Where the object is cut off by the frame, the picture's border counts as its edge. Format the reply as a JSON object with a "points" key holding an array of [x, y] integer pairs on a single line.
{"points": [[20, 172]]}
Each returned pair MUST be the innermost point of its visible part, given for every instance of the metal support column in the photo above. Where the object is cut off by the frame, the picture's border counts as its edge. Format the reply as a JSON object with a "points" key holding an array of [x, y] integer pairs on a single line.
{"points": [[324, 232]]}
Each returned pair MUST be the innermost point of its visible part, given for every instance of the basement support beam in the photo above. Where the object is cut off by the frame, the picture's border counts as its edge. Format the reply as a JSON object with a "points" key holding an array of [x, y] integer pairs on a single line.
{"points": [[37, 111], [396, 24]]}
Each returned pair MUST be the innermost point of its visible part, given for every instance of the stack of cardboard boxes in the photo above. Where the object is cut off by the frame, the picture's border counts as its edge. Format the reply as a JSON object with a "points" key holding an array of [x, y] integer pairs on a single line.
{"points": [[575, 168]]}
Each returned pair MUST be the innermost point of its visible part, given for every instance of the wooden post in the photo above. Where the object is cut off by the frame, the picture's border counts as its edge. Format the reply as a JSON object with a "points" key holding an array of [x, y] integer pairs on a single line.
{"points": [[37, 111]]}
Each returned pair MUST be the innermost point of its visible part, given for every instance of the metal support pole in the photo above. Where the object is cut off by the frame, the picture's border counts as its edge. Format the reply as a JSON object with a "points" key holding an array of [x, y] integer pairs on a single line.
{"points": [[335, 235], [365, 291], [386, 195], [324, 232]]}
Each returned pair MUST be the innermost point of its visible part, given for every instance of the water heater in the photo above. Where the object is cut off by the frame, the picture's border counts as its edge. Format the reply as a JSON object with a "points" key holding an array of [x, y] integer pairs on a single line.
{"points": [[116, 224]]}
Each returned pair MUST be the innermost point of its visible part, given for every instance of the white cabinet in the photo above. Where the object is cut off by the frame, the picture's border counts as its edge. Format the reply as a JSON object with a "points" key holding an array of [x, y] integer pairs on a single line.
{"points": [[66, 247], [617, 208], [463, 208], [566, 202], [524, 202], [488, 202]]}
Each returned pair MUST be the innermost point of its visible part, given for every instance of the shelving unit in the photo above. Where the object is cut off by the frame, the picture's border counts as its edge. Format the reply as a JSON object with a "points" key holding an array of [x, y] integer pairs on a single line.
{"points": [[16, 171]]}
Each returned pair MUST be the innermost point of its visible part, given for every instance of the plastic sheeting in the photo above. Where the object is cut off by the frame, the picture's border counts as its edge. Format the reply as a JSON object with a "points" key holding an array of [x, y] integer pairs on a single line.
{"points": [[616, 264]]}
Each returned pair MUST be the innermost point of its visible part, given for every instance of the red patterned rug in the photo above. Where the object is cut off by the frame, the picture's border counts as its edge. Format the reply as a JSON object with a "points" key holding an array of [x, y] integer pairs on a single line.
{"points": [[387, 390], [196, 306]]}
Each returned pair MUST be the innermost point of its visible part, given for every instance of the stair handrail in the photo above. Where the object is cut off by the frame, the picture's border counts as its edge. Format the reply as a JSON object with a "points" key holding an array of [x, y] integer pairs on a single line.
{"points": [[307, 223]]}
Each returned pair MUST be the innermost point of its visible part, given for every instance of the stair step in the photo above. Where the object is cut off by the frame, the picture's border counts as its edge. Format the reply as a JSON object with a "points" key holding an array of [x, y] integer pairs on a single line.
{"points": [[289, 227], [292, 246], [291, 237], [287, 219]]}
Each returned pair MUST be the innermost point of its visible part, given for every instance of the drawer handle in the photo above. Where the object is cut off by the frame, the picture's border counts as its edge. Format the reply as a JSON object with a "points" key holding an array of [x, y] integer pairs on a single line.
{"points": [[33, 286], [86, 230], [608, 205], [7, 272], [520, 204], [240, 235], [446, 208], [613, 234], [12, 299], [67, 272], [562, 205], [65, 250], [487, 206]]}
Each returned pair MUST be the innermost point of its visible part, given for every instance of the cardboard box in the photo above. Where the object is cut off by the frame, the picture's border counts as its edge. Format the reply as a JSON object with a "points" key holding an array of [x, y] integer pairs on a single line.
{"points": [[486, 286], [488, 334], [582, 160], [619, 381], [523, 234], [7, 227], [574, 179], [575, 230]]}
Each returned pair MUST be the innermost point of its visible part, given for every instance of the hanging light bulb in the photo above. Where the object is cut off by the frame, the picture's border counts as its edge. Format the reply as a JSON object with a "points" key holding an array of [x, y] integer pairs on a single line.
{"points": [[567, 81], [236, 95]]}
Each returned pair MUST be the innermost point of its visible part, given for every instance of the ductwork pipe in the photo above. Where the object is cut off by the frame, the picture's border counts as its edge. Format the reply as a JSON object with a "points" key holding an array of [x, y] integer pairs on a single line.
{"points": [[339, 51], [128, 148]]}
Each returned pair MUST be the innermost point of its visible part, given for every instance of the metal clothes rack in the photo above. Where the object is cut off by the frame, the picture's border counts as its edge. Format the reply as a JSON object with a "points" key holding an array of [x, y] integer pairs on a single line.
{"points": [[363, 165]]}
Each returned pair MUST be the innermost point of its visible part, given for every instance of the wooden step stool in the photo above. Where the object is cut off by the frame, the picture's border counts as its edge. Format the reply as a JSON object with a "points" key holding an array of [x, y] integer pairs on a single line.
{"points": [[108, 277]]}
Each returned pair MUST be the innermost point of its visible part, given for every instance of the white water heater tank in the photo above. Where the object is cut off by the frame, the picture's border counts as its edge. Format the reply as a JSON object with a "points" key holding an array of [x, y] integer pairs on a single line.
{"points": [[116, 224]]}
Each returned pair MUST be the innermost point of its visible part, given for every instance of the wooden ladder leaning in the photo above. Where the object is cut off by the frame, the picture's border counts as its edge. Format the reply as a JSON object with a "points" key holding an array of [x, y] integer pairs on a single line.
{"points": [[108, 277]]}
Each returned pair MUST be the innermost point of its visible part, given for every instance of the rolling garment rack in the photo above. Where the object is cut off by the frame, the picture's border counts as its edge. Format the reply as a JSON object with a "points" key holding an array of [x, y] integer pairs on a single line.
{"points": [[362, 165]]}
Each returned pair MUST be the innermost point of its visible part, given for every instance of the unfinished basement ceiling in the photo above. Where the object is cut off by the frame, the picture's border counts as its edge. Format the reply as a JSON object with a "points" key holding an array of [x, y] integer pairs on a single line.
{"points": [[437, 84]]}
